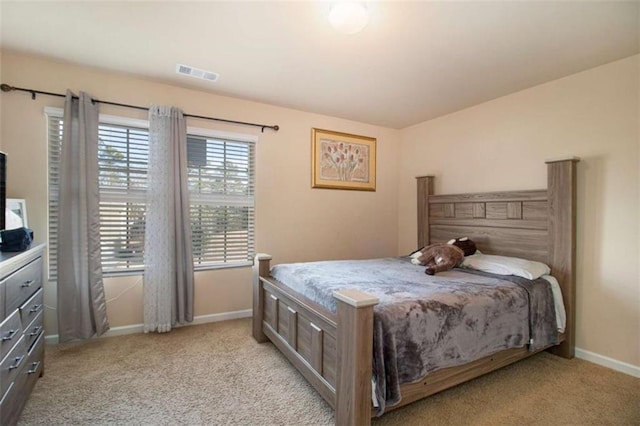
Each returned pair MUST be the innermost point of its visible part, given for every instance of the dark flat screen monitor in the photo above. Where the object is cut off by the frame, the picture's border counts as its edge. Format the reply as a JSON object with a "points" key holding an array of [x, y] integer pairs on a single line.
{"points": [[3, 188]]}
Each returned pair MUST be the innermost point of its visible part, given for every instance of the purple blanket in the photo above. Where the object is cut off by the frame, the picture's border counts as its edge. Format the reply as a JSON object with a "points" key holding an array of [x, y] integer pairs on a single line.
{"points": [[425, 323]]}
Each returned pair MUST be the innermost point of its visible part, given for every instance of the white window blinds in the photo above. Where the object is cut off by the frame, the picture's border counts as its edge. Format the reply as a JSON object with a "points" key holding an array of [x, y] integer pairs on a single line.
{"points": [[221, 186], [122, 176], [54, 141]]}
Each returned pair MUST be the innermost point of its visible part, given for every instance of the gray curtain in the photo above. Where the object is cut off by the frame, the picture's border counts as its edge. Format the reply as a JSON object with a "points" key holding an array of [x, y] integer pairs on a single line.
{"points": [[82, 309], [168, 256]]}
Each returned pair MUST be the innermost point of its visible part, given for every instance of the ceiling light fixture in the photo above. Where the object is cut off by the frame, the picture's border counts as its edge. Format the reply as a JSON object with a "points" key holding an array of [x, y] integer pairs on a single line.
{"points": [[348, 17]]}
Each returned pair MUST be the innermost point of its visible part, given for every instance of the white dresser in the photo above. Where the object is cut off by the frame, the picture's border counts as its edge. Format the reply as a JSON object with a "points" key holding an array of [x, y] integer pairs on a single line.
{"points": [[21, 329]]}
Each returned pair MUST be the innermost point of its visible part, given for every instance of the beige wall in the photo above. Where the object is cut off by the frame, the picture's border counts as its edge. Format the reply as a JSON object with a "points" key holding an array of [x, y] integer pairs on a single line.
{"points": [[294, 222], [502, 145]]}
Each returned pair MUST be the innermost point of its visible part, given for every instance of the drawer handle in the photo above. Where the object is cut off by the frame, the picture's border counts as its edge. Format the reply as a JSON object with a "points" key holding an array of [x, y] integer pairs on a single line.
{"points": [[27, 283], [34, 367], [35, 308], [17, 362], [10, 335], [36, 331]]}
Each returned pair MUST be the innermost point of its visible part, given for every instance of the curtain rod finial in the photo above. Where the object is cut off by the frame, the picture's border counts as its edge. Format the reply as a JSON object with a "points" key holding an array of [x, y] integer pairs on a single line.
{"points": [[6, 87], [276, 127]]}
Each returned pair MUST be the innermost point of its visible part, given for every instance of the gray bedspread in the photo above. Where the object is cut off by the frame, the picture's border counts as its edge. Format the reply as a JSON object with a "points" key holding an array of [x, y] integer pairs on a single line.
{"points": [[425, 323]]}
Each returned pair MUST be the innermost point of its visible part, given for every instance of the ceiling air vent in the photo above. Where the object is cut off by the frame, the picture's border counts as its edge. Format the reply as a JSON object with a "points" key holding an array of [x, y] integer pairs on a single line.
{"points": [[196, 72]]}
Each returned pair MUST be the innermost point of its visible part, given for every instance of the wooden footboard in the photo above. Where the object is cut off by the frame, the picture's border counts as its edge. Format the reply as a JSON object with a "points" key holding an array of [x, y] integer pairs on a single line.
{"points": [[333, 352], [305, 332]]}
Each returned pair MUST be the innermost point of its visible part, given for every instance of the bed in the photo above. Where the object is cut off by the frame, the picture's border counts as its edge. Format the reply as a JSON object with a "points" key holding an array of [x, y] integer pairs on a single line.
{"points": [[333, 348]]}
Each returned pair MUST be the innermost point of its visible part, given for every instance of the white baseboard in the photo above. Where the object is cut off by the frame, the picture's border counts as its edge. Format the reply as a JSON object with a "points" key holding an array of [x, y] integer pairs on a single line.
{"points": [[139, 328], [605, 361]]}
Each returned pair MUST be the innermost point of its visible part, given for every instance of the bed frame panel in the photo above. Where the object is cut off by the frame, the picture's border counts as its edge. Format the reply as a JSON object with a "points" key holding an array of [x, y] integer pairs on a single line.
{"points": [[333, 352]]}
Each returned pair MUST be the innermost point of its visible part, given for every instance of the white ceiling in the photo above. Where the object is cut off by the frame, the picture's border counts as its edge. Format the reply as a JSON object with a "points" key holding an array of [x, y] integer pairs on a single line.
{"points": [[413, 62]]}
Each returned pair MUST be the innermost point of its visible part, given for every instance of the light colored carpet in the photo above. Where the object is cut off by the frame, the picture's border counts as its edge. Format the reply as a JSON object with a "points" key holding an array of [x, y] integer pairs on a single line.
{"points": [[216, 374]]}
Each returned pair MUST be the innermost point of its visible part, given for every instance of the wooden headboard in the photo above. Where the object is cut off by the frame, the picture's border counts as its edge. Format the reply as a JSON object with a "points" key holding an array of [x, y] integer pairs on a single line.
{"points": [[534, 224]]}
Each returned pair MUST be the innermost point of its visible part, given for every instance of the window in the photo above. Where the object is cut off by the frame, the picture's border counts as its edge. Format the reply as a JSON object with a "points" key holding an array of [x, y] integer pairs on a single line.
{"points": [[221, 188]]}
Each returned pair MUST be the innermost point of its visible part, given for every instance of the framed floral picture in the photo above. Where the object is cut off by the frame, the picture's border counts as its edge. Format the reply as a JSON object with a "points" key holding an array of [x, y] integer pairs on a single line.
{"points": [[342, 161]]}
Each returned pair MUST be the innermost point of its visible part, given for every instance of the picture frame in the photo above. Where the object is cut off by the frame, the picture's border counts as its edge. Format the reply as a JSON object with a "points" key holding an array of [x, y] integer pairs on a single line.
{"points": [[342, 161], [16, 213]]}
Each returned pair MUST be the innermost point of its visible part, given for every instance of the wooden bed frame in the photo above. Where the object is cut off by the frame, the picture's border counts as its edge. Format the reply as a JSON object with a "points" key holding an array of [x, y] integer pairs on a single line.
{"points": [[334, 352]]}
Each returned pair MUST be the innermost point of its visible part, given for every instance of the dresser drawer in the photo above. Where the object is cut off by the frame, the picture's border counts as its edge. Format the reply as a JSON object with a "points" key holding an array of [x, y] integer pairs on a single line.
{"points": [[33, 330], [10, 332], [5, 404], [32, 368], [31, 308], [2, 311], [12, 364], [22, 284], [18, 391]]}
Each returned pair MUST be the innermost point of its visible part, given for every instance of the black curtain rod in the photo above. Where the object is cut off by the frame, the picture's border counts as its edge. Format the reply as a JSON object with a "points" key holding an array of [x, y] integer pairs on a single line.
{"points": [[8, 88]]}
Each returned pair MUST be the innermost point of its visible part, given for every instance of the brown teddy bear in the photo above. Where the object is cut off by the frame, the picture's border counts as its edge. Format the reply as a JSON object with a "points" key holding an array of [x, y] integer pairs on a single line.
{"points": [[441, 257]]}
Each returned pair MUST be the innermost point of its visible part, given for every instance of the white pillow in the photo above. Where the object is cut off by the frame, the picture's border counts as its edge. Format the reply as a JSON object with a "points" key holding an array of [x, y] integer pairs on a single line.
{"points": [[503, 265]]}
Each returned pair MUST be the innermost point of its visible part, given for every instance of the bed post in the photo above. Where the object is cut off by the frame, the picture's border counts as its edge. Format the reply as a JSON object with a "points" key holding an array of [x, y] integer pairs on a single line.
{"points": [[261, 268], [354, 357], [561, 176], [425, 189]]}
